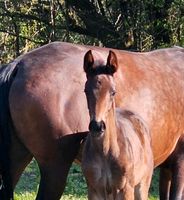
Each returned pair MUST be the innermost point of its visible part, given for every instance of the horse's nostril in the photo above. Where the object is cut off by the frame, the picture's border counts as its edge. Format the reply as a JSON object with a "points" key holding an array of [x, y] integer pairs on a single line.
{"points": [[97, 127]]}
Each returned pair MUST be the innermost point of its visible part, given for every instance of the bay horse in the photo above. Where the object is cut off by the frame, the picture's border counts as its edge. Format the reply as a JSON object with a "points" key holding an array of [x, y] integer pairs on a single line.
{"points": [[117, 159], [43, 109]]}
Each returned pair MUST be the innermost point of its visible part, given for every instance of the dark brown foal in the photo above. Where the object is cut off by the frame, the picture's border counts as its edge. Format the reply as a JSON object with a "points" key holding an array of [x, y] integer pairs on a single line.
{"points": [[117, 158]]}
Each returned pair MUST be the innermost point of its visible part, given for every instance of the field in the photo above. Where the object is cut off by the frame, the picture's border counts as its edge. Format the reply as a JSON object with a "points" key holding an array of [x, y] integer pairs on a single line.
{"points": [[75, 189]]}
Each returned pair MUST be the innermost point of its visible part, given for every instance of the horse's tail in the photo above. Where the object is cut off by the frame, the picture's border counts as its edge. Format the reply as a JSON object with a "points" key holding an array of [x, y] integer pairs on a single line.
{"points": [[7, 74]]}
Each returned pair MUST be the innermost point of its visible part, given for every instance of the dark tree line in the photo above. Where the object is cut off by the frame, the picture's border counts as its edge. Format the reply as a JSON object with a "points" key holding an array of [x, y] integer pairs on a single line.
{"points": [[138, 25]]}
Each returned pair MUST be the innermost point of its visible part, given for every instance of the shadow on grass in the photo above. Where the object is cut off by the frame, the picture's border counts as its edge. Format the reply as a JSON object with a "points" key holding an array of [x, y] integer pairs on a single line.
{"points": [[28, 183], [29, 179]]}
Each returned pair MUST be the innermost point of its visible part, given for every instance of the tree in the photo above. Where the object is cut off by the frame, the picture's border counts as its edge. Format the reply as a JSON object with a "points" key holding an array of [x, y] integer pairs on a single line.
{"points": [[125, 24]]}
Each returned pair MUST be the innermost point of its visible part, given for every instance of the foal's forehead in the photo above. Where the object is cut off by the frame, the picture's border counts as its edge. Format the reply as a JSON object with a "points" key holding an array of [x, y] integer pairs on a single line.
{"points": [[103, 80]]}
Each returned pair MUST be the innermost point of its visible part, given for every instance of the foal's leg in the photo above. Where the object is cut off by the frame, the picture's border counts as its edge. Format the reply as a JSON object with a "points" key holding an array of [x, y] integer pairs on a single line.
{"points": [[100, 194], [164, 183], [142, 189], [128, 192], [93, 195]]}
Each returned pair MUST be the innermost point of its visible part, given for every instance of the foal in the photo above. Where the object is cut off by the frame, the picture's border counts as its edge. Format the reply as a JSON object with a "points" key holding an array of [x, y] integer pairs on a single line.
{"points": [[117, 158]]}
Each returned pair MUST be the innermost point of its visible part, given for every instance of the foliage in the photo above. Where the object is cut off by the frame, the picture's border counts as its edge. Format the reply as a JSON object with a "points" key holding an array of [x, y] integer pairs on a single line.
{"points": [[75, 189], [136, 25]]}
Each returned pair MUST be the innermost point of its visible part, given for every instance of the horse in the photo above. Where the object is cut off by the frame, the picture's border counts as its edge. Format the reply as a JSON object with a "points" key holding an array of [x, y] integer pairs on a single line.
{"points": [[117, 159], [44, 114]]}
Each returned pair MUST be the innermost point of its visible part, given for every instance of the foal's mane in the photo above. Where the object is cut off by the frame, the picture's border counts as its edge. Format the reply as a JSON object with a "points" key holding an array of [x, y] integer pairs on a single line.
{"points": [[138, 123], [101, 69]]}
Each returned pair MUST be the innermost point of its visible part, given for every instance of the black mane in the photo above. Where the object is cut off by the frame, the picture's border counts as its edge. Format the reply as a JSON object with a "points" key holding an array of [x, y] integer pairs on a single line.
{"points": [[101, 69]]}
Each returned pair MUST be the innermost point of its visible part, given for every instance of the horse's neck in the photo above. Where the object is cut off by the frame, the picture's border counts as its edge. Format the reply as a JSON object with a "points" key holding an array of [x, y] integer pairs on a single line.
{"points": [[110, 139]]}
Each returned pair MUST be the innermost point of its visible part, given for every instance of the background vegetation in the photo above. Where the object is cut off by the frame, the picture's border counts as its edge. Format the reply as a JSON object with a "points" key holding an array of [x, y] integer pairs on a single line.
{"points": [[137, 25]]}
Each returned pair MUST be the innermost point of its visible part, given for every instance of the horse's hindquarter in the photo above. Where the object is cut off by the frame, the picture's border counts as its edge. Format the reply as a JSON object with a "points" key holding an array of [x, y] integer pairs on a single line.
{"points": [[152, 85], [47, 101]]}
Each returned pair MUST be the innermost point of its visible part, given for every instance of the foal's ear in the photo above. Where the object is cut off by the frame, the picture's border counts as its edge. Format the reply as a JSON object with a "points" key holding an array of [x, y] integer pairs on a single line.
{"points": [[112, 62], [88, 61]]}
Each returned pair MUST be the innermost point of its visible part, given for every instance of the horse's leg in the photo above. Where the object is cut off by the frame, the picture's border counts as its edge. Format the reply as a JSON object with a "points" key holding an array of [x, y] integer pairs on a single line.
{"points": [[20, 157], [175, 164], [53, 180], [54, 167], [177, 183], [164, 183]]}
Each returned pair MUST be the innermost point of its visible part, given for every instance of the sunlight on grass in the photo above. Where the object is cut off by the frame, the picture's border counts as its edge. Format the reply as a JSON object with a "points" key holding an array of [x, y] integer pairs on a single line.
{"points": [[73, 197], [25, 196], [75, 189]]}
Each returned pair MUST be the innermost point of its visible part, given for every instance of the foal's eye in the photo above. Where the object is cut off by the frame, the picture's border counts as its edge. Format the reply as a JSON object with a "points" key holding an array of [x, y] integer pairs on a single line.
{"points": [[113, 93]]}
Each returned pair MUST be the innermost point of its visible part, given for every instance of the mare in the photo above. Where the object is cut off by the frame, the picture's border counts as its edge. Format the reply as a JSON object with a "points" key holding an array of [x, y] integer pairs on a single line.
{"points": [[44, 114], [117, 159]]}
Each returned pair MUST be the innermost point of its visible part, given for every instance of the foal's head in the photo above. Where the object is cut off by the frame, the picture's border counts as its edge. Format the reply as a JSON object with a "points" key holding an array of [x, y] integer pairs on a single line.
{"points": [[100, 90]]}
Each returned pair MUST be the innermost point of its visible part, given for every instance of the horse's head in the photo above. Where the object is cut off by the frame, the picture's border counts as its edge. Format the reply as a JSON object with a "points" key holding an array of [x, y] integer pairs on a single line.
{"points": [[100, 90]]}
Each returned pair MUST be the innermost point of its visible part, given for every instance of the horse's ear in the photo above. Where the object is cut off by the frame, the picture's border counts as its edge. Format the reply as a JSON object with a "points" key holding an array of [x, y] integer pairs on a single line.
{"points": [[112, 62], [88, 61]]}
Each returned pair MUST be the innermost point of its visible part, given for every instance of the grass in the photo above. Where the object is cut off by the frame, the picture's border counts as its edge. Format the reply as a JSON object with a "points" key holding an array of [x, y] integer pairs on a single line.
{"points": [[75, 189]]}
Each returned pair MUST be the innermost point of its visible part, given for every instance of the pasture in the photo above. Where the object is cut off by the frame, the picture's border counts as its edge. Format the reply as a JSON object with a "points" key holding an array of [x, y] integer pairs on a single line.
{"points": [[75, 189]]}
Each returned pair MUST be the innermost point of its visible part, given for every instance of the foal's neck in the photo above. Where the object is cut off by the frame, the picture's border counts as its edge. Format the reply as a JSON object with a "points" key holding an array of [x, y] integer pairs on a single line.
{"points": [[110, 139]]}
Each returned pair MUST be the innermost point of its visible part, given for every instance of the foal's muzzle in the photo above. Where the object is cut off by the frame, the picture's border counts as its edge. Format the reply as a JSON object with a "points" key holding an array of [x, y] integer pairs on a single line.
{"points": [[97, 128]]}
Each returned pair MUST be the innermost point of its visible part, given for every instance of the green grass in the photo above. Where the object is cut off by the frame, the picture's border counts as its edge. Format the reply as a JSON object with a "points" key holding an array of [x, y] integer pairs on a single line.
{"points": [[153, 193], [75, 189]]}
